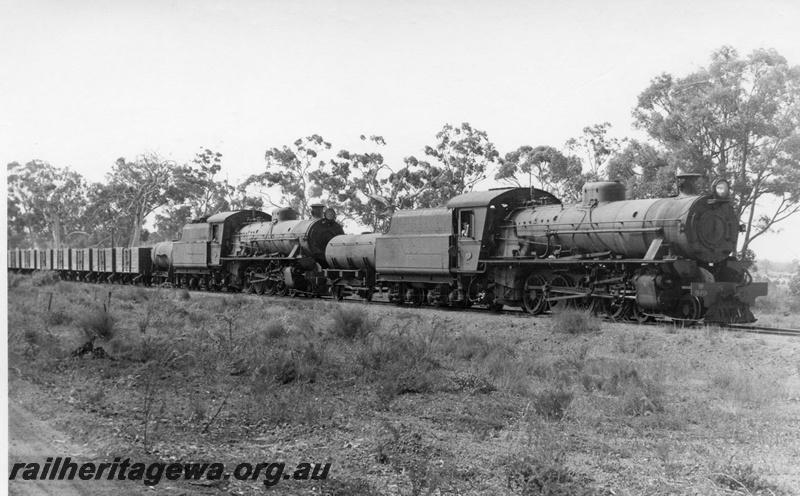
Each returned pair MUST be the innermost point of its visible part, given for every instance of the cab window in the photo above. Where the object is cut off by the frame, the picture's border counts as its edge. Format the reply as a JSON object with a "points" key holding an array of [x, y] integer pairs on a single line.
{"points": [[466, 224]]}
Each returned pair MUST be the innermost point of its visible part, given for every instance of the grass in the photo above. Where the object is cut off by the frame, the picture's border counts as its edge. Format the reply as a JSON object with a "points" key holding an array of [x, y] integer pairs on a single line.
{"points": [[744, 479], [527, 405], [98, 323], [351, 323], [574, 321]]}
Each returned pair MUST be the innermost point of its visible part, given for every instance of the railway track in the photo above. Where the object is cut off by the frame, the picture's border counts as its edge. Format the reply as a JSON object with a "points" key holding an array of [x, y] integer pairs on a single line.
{"points": [[777, 331], [516, 312]]}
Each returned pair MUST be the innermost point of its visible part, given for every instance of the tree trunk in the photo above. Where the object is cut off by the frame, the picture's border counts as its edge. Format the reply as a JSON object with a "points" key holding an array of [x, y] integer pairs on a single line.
{"points": [[56, 232], [137, 229]]}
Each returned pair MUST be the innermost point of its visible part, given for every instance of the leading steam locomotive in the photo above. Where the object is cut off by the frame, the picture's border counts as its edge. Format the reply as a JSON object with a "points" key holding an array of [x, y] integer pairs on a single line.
{"points": [[667, 258]]}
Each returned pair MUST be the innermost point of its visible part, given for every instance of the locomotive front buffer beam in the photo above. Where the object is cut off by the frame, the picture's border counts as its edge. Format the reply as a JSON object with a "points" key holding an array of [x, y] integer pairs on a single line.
{"points": [[728, 302]]}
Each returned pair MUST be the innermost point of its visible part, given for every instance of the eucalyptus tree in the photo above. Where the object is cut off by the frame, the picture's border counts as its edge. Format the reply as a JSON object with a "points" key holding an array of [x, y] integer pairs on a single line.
{"points": [[45, 203], [738, 118], [543, 167]]}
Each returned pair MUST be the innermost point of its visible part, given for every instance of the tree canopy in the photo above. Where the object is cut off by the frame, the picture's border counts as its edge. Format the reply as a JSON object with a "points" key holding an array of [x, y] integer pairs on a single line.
{"points": [[737, 119], [45, 203], [544, 167], [290, 169]]}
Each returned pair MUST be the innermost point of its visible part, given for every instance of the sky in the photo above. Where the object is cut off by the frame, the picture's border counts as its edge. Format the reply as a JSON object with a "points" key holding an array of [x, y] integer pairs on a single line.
{"points": [[88, 81]]}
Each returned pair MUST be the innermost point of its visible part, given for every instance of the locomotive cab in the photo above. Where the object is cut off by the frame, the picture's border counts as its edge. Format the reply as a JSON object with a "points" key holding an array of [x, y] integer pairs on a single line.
{"points": [[204, 243], [477, 217]]}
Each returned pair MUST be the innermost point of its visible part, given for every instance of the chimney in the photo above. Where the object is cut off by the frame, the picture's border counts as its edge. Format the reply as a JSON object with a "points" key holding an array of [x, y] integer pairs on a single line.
{"points": [[688, 184]]}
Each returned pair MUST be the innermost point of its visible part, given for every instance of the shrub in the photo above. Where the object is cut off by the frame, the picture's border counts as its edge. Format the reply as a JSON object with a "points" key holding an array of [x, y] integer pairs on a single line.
{"points": [[14, 279], [134, 293], [44, 278], [473, 347], [552, 403], [574, 321], [351, 322], [57, 317], [745, 386], [510, 372], [98, 323], [541, 468], [638, 393], [738, 477], [273, 329]]}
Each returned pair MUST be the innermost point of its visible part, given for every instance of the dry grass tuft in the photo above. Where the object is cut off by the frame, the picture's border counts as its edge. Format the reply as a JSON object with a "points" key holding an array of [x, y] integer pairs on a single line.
{"points": [[575, 321], [98, 323], [351, 322]]}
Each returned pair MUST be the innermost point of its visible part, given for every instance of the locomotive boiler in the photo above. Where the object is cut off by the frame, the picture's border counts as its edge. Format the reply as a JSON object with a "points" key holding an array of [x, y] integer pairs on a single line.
{"points": [[702, 228]]}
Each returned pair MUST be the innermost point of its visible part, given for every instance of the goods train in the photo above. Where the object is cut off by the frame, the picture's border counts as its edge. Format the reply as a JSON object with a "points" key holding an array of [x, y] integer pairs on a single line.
{"points": [[666, 258]]}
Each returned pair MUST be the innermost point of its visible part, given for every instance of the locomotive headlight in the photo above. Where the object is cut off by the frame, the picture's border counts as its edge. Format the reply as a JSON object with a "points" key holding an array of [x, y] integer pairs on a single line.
{"points": [[722, 189], [330, 214]]}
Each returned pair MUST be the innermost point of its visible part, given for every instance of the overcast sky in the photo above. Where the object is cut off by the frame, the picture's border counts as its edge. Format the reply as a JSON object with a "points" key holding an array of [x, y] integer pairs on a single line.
{"points": [[87, 81]]}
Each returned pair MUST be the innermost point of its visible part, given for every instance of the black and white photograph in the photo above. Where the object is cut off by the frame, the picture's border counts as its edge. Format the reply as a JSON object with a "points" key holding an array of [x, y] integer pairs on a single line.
{"points": [[445, 247]]}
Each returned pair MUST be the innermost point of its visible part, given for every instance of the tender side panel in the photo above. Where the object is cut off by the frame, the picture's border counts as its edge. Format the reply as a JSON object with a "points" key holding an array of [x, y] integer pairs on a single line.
{"points": [[418, 243]]}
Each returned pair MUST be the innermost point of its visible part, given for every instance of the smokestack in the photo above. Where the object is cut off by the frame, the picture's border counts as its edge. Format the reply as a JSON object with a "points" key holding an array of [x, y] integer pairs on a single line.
{"points": [[688, 184], [317, 210]]}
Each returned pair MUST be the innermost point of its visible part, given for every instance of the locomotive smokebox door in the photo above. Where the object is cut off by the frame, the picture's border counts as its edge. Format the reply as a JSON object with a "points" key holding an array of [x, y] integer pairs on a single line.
{"points": [[469, 240]]}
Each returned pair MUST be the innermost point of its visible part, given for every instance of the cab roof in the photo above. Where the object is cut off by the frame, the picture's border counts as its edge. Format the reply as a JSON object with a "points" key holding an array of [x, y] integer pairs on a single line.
{"points": [[512, 196], [245, 214]]}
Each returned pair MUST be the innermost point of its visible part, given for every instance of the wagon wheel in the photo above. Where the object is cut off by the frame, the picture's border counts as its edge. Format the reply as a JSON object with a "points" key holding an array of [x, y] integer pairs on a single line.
{"points": [[368, 294], [281, 289], [533, 295], [600, 306], [337, 292], [415, 296], [258, 286], [639, 314], [248, 287], [619, 309], [399, 299], [269, 287], [690, 310], [556, 282]]}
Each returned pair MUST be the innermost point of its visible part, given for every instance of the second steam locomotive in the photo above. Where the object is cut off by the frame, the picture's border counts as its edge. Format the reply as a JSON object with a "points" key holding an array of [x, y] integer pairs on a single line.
{"points": [[667, 258]]}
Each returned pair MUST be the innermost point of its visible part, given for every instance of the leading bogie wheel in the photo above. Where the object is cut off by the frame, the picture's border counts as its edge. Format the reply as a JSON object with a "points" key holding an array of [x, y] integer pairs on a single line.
{"points": [[281, 289], [639, 314]]}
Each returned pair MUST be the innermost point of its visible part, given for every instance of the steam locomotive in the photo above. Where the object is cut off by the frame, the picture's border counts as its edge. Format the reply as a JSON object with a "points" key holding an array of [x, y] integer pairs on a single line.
{"points": [[667, 258]]}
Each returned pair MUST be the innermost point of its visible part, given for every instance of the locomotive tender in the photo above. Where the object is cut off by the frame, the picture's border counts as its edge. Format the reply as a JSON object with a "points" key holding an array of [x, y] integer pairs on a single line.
{"points": [[520, 247]]}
